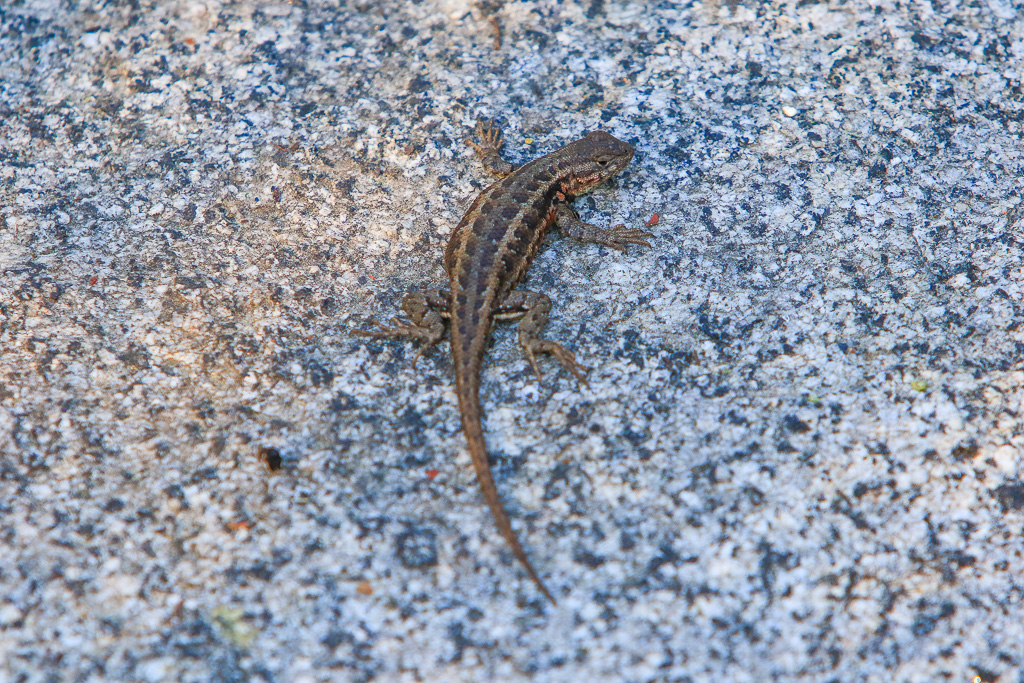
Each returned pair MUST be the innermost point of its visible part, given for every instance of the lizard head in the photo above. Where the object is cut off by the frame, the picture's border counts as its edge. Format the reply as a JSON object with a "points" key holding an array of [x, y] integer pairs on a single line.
{"points": [[596, 158]]}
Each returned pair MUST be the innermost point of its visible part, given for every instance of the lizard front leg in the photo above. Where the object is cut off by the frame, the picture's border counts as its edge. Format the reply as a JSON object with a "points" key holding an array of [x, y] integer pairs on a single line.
{"points": [[616, 237], [489, 148], [426, 313], [532, 309]]}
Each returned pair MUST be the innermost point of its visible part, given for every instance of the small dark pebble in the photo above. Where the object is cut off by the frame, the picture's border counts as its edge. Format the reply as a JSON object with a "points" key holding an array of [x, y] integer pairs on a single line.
{"points": [[417, 548], [271, 456]]}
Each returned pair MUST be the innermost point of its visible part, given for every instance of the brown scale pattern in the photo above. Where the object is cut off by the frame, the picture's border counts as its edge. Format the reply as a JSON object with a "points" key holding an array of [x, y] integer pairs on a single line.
{"points": [[488, 255]]}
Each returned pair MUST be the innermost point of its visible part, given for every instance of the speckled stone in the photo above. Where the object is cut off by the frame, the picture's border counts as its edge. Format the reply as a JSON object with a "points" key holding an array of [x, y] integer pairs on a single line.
{"points": [[800, 454]]}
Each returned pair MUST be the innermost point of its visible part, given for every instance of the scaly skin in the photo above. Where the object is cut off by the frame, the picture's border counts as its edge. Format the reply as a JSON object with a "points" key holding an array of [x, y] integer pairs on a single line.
{"points": [[488, 254]]}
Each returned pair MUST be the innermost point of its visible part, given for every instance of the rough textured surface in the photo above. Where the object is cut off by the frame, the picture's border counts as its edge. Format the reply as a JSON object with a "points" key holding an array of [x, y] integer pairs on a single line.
{"points": [[800, 452]]}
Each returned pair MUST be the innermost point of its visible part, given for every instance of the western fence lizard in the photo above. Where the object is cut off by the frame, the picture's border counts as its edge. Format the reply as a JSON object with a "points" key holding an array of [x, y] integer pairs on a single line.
{"points": [[488, 255]]}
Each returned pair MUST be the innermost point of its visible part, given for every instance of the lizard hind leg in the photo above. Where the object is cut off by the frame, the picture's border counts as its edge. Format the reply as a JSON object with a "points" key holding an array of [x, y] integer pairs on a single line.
{"points": [[426, 313], [532, 309]]}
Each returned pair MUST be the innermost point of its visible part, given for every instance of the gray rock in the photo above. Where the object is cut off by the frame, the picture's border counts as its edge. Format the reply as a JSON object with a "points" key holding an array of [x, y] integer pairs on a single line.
{"points": [[799, 456]]}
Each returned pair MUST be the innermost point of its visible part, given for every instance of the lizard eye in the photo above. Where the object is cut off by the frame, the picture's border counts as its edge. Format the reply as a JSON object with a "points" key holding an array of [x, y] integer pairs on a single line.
{"points": [[603, 161]]}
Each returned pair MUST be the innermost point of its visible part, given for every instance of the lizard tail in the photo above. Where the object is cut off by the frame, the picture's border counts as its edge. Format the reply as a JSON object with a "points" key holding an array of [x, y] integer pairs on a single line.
{"points": [[467, 381]]}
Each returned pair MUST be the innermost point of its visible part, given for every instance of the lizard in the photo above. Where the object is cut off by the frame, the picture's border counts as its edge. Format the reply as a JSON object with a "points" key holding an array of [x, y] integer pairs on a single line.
{"points": [[487, 255]]}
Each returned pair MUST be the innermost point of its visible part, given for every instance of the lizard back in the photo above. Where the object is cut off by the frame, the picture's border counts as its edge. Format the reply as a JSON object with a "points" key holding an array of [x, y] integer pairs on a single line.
{"points": [[488, 255]]}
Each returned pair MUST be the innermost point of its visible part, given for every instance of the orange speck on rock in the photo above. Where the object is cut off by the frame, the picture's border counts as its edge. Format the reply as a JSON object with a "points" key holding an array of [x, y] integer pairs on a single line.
{"points": [[244, 525], [364, 588], [653, 221], [431, 474], [190, 41], [93, 280]]}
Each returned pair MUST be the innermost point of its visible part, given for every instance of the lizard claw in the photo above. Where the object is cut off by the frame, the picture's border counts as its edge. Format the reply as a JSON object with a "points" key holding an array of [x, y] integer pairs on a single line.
{"points": [[489, 147], [376, 334], [618, 236], [397, 329], [489, 133], [561, 354], [427, 345], [428, 335], [533, 363]]}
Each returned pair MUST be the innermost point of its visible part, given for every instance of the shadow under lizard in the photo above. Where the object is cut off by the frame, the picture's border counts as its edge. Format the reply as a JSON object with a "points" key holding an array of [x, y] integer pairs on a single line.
{"points": [[488, 255]]}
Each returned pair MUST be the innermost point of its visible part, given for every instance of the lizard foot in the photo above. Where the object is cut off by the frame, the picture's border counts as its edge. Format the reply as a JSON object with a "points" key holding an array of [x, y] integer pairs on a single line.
{"points": [[618, 236], [429, 335], [489, 148], [561, 354], [490, 136]]}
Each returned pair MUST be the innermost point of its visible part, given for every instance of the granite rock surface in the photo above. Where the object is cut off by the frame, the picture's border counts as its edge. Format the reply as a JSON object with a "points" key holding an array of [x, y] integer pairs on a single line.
{"points": [[799, 457]]}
